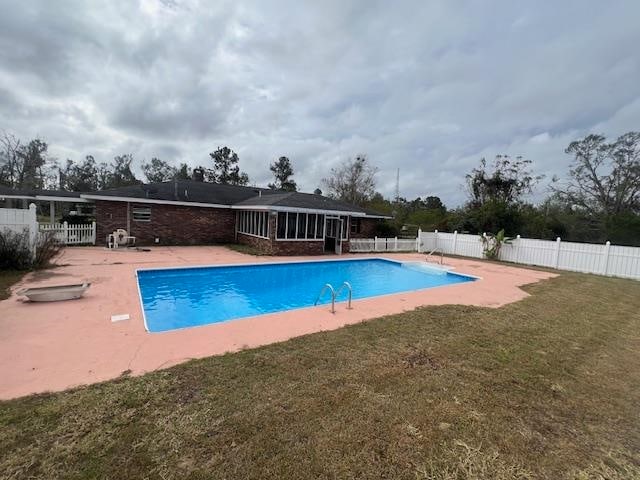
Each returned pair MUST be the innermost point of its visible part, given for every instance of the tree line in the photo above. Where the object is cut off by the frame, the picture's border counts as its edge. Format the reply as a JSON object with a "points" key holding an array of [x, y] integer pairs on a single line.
{"points": [[28, 166], [598, 200]]}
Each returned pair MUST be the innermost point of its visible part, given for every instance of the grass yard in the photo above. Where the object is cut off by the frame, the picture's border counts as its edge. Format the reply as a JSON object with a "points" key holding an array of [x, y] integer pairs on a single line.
{"points": [[8, 278], [548, 387]]}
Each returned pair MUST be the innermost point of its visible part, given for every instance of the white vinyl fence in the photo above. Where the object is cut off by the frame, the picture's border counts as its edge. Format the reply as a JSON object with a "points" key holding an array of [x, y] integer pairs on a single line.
{"points": [[72, 234], [19, 220], [379, 244], [602, 259]]}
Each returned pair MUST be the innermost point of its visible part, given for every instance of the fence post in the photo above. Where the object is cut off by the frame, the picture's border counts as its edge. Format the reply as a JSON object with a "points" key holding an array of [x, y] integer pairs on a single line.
{"points": [[455, 241], [93, 233], [605, 257], [556, 260], [395, 247], [375, 243], [65, 232], [435, 237], [33, 228], [418, 240]]}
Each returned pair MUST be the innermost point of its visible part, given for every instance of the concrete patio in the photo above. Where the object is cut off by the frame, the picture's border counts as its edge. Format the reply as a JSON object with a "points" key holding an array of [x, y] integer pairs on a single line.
{"points": [[55, 346]]}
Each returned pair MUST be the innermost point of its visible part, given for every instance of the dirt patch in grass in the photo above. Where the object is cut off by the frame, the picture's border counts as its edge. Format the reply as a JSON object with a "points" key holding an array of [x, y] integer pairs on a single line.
{"points": [[7, 279], [547, 387]]}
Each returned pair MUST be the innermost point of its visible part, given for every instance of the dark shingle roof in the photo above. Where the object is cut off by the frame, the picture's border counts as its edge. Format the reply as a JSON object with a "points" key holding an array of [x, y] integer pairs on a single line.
{"points": [[301, 200], [31, 193], [210, 193], [185, 191]]}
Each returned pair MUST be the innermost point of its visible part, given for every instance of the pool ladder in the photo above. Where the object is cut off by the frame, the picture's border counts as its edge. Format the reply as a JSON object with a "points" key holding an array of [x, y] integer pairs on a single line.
{"points": [[334, 294]]}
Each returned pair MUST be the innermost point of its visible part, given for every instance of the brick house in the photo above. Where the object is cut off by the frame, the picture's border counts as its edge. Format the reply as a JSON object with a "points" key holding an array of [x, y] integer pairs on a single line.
{"points": [[185, 212]]}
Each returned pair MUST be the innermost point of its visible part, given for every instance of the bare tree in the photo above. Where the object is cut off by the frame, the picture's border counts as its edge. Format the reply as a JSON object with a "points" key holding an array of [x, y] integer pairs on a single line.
{"points": [[506, 182], [10, 166], [604, 178], [353, 181]]}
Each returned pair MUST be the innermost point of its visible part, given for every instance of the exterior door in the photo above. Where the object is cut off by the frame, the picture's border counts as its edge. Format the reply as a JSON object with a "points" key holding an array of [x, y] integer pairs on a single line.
{"points": [[338, 231]]}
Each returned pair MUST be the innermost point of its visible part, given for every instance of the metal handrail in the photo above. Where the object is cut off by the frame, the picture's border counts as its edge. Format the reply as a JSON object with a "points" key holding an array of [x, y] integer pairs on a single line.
{"points": [[333, 296], [350, 290], [441, 254]]}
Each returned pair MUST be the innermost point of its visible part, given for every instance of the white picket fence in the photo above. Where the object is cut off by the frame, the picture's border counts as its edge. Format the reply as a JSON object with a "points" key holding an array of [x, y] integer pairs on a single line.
{"points": [[380, 244], [601, 259], [72, 234], [21, 219]]}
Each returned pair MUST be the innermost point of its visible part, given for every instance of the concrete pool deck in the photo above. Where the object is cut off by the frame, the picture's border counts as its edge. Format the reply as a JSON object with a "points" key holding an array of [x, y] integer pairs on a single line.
{"points": [[55, 346]]}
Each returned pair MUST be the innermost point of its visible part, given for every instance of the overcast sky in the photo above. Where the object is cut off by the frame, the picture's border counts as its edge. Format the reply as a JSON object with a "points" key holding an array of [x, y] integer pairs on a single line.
{"points": [[428, 87]]}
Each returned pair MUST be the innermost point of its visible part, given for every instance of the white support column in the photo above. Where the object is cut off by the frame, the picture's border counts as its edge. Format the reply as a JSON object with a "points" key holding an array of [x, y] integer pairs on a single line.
{"points": [[418, 242], [33, 228], [605, 258], [556, 260], [455, 241]]}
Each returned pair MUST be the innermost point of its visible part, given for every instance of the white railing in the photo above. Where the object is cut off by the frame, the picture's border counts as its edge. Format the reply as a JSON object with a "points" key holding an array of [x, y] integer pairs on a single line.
{"points": [[72, 234], [380, 244], [601, 259]]}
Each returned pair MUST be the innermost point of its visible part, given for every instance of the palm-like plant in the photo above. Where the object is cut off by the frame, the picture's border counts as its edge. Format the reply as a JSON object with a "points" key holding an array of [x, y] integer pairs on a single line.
{"points": [[491, 244]]}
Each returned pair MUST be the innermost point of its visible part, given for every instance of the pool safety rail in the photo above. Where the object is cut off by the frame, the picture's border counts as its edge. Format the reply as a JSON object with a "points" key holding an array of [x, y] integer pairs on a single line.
{"points": [[436, 250], [334, 294]]}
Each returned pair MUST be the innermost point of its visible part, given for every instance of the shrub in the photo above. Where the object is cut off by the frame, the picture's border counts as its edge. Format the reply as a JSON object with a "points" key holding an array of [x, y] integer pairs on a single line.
{"points": [[47, 247], [16, 253], [491, 244]]}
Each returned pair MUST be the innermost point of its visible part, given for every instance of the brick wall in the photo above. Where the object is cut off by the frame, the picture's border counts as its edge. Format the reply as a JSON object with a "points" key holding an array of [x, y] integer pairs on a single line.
{"points": [[172, 224], [368, 228], [261, 244]]}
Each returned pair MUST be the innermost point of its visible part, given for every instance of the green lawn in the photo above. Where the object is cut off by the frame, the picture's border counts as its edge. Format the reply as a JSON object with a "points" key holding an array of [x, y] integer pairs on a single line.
{"points": [[548, 387]]}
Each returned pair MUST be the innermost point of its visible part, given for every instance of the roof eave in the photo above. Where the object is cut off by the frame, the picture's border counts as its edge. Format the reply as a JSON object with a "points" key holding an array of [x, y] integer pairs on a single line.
{"points": [[111, 198]]}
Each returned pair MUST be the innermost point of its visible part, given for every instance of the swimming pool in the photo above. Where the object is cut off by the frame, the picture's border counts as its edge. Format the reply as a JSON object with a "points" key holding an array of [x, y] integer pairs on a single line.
{"points": [[186, 297]]}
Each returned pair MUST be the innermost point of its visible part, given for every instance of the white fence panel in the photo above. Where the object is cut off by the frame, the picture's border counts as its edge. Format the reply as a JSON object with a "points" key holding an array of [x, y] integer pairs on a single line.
{"points": [[362, 245], [395, 244], [426, 241], [20, 220], [603, 259], [17, 219], [530, 252], [623, 262], [469, 246], [581, 257], [72, 234]]}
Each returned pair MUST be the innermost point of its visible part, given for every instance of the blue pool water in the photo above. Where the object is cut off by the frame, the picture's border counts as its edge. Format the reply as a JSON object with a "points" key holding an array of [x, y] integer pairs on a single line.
{"points": [[187, 297]]}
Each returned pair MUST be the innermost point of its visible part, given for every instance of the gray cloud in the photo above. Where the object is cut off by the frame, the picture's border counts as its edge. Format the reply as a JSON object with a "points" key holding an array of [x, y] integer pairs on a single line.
{"points": [[427, 87]]}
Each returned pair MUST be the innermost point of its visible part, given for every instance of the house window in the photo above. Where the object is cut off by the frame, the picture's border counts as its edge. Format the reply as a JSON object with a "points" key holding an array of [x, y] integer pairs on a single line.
{"points": [[355, 225], [282, 225], [320, 227], [300, 226], [254, 223], [141, 214]]}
